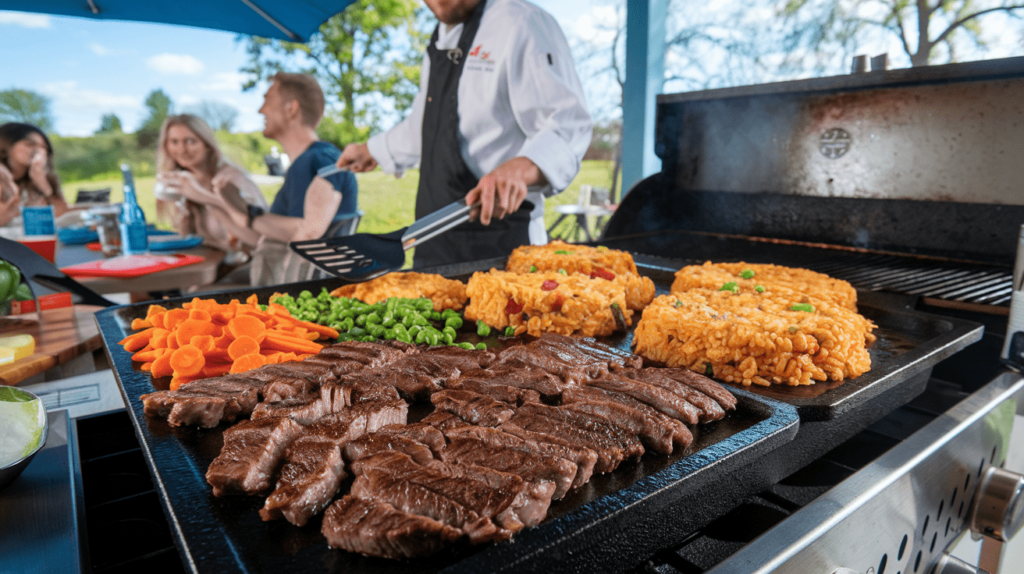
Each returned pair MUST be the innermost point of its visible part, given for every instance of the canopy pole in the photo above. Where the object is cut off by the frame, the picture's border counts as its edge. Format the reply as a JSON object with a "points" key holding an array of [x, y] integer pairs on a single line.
{"points": [[92, 6], [645, 76], [295, 37]]}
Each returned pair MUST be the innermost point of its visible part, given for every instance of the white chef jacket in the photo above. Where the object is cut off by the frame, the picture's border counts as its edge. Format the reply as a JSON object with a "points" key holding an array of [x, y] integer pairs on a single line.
{"points": [[518, 96]]}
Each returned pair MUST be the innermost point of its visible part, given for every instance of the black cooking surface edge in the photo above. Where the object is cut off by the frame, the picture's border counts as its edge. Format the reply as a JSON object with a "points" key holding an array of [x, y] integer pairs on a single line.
{"points": [[217, 534]]}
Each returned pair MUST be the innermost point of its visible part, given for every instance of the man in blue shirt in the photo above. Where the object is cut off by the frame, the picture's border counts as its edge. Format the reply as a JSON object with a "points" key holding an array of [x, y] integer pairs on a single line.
{"points": [[307, 205]]}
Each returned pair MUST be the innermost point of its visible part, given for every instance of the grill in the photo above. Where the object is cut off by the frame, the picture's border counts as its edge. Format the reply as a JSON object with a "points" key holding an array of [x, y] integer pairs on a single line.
{"points": [[882, 470]]}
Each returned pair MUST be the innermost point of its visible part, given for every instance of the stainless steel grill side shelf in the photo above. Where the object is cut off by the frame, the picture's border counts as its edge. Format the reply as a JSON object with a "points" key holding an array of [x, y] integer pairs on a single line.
{"points": [[902, 511]]}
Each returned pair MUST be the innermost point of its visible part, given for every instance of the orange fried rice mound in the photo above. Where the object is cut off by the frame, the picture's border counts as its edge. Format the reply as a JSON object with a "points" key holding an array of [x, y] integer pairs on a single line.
{"points": [[594, 262], [445, 293], [715, 275], [778, 336], [548, 302]]}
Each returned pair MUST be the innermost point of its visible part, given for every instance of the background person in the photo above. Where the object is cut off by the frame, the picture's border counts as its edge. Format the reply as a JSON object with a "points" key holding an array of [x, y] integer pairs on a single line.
{"points": [[27, 177], [307, 206], [195, 182], [500, 117]]}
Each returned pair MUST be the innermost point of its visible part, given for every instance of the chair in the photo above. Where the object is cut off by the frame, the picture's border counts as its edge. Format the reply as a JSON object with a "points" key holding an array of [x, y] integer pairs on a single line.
{"points": [[92, 196], [593, 202]]}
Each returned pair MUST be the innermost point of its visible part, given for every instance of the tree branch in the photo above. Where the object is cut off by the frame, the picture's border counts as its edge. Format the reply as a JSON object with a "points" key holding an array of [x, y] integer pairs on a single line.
{"points": [[942, 37]]}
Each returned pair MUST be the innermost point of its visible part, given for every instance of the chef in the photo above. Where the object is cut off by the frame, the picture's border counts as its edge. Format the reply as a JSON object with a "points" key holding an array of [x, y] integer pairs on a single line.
{"points": [[500, 119]]}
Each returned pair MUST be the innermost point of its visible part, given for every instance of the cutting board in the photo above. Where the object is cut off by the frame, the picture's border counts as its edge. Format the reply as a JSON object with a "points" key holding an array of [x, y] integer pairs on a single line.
{"points": [[61, 335], [128, 266]]}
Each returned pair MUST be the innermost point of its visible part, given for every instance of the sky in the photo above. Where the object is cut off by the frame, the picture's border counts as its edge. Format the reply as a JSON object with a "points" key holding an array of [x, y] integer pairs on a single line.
{"points": [[89, 68]]}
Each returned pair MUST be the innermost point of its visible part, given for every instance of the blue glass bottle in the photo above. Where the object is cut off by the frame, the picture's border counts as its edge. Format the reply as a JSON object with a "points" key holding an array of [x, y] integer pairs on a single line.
{"points": [[134, 238]]}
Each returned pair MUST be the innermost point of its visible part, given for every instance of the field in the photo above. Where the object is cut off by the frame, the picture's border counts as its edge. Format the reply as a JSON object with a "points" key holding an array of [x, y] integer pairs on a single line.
{"points": [[388, 202]]}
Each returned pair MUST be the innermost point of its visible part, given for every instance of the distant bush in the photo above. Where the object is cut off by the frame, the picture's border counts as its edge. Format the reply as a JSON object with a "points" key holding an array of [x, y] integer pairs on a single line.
{"points": [[100, 156]]}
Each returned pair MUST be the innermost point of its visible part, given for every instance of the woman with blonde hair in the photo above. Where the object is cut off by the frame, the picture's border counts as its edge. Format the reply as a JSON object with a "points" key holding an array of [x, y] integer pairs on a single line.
{"points": [[195, 182], [27, 176]]}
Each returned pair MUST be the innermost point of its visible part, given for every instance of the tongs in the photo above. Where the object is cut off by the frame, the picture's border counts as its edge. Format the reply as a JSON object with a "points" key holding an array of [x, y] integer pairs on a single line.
{"points": [[363, 256]]}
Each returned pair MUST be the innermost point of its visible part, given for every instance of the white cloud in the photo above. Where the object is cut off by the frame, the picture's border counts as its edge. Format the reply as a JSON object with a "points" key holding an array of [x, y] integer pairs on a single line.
{"points": [[99, 49], [78, 110], [175, 64], [25, 20], [224, 82], [185, 100]]}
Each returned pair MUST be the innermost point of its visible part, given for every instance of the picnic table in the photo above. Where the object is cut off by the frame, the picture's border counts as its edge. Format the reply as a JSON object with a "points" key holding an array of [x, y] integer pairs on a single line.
{"points": [[181, 278]]}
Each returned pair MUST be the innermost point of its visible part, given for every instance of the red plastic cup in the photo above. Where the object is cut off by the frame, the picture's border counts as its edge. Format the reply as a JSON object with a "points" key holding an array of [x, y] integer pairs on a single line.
{"points": [[44, 245]]}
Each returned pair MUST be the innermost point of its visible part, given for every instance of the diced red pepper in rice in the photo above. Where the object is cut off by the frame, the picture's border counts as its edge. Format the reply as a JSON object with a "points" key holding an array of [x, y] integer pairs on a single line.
{"points": [[512, 307], [548, 286], [602, 273]]}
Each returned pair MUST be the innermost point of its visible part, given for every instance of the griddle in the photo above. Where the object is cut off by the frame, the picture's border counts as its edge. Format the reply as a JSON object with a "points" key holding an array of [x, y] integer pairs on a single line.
{"points": [[605, 525]]}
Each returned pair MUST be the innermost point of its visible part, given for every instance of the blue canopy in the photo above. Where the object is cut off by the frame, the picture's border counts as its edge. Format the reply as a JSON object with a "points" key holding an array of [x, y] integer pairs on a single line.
{"points": [[293, 20]]}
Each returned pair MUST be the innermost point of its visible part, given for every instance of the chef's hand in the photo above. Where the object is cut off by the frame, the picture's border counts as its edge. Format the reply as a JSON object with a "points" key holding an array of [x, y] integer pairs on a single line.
{"points": [[37, 173], [503, 190], [357, 158]]}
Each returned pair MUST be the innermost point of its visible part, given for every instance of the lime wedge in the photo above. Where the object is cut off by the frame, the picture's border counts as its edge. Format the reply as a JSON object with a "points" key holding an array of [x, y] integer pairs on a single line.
{"points": [[21, 425]]}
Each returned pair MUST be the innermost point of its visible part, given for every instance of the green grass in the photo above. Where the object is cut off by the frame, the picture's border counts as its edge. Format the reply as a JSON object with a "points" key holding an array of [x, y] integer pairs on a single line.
{"points": [[388, 202]]}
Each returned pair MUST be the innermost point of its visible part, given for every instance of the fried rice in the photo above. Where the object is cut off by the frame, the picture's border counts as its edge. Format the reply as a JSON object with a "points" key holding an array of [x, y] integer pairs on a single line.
{"points": [[756, 337], [445, 293], [715, 275], [594, 262], [549, 302]]}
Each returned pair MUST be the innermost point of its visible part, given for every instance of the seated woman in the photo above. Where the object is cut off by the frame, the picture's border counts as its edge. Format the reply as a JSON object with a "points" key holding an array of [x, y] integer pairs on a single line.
{"points": [[27, 177], [194, 181]]}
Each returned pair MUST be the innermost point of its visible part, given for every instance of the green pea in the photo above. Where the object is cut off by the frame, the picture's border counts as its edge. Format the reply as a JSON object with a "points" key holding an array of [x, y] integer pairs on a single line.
{"points": [[342, 337], [435, 316], [414, 330], [404, 337], [432, 339], [368, 339], [373, 319], [454, 323], [482, 329], [420, 320], [305, 294], [400, 329], [730, 286], [449, 331], [480, 346], [448, 313], [759, 288], [376, 330], [448, 338], [510, 331], [408, 320], [347, 323], [361, 320], [390, 334], [805, 307], [424, 305], [421, 337], [389, 322], [747, 274], [533, 268], [357, 331]]}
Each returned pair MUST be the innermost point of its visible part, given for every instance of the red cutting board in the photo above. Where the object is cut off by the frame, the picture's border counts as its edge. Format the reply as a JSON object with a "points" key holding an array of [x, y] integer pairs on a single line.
{"points": [[128, 266]]}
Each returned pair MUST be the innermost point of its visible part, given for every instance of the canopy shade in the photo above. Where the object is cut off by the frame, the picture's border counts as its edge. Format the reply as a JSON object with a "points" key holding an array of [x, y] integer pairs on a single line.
{"points": [[293, 20]]}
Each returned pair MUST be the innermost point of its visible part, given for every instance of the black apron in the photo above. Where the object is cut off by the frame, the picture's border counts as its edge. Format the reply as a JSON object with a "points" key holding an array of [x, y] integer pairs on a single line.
{"points": [[444, 175]]}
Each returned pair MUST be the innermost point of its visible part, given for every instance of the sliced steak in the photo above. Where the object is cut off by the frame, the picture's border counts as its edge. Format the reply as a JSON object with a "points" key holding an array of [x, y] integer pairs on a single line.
{"points": [[443, 421], [281, 389], [303, 410], [374, 528], [667, 402], [703, 384], [585, 458], [521, 375], [464, 359], [352, 356], [472, 407], [317, 373], [308, 481], [629, 441], [495, 449], [359, 419], [206, 402], [251, 455], [610, 453], [477, 382], [654, 426], [709, 408], [421, 495], [567, 368], [374, 385], [589, 350], [418, 376], [372, 444]]}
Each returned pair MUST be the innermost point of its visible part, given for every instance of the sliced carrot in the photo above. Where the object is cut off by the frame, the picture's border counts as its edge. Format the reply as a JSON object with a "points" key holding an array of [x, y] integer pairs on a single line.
{"points": [[222, 316], [190, 328], [154, 309], [272, 358], [187, 361], [282, 342], [145, 356], [157, 319], [322, 329], [205, 343], [140, 324], [221, 355], [302, 357], [174, 317], [200, 315], [159, 340], [162, 366], [248, 362], [212, 369], [244, 345], [147, 366], [177, 382], [252, 300], [224, 341], [203, 304], [136, 341], [172, 342], [247, 325]]}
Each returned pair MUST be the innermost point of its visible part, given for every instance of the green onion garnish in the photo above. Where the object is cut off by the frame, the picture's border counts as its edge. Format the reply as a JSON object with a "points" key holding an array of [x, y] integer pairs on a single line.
{"points": [[759, 288], [747, 274], [730, 286], [805, 307], [562, 271], [533, 268]]}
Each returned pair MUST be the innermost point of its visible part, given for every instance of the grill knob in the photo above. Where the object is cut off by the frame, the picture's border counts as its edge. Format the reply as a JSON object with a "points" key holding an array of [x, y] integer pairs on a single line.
{"points": [[950, 565], [998, 505]]}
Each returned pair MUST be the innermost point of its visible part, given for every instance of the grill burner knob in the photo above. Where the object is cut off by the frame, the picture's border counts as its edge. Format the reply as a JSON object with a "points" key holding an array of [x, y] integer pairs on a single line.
{"points": [[998, 506], [950, 565]]}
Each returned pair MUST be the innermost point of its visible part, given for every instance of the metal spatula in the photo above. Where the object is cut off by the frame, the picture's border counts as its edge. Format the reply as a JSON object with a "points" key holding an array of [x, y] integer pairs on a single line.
{"points": [[364, 255]]}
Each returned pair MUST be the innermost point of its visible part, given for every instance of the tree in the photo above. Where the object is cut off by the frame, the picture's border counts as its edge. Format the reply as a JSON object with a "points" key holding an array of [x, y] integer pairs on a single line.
{"points": [[109, 123], [926, 29], [367, 59], [159, 105], [219, 115], [26, 106]]}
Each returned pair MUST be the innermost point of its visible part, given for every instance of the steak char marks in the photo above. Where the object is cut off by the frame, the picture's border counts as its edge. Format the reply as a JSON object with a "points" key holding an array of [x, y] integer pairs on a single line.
{"points": [[658, 431], [374, 528], [420, 441], [251, 455], [472, 407], [205, 403]]}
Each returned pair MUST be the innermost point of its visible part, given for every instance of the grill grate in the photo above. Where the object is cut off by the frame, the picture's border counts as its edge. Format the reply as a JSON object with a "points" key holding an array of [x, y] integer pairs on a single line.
{"points": [[949, 281]]}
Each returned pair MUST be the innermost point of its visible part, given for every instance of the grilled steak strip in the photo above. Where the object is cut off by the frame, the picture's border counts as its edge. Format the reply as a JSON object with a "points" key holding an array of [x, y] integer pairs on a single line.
{"points": [[374, 528], [516, 373], [205, 403], [420, 441], [585, 459], [443, 421], [709, 409], [251, 455], [609, 451], [568, 369], [703, 384], [652, 432], [628, 441], [463, 359], [472, 407], [654, 420], [495, 449], [587, 350], [478, 382], [308, 481], [669, 403]]}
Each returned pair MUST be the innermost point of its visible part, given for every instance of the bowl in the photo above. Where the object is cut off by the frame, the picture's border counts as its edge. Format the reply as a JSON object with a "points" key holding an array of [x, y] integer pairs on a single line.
{"points": [[12, 470]]}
